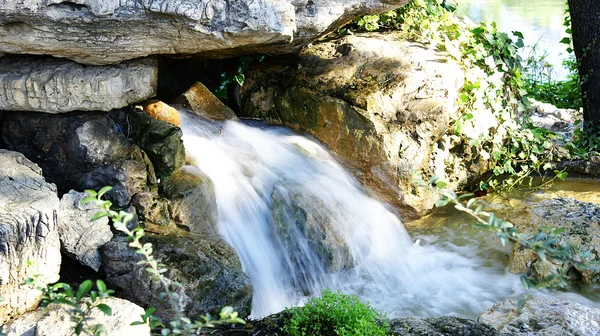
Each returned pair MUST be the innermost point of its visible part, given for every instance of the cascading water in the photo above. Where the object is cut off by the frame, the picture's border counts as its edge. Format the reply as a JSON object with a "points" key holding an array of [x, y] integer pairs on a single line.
{"points": [[300, 223]]}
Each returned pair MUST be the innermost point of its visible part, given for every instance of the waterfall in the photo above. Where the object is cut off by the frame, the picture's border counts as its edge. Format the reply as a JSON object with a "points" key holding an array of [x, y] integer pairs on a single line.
{"points": [[300, 223]]}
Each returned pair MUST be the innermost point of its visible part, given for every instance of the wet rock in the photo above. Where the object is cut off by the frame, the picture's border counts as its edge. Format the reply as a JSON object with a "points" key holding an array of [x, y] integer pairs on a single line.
{"points": [[439, 326], [380, 103], [201, 101], [55, 321], [28, 231], [151, 208], [81, 238], [543, 315], [51, 85], [161, 111], [192, 200], [208, 269], [589, 166], [104, 31], [81, 151], [581, 221]]}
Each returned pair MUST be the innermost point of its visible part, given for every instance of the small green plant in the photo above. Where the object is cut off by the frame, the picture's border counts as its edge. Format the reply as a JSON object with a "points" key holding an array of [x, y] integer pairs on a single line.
{"points": [[334, 313], [238, 76]]}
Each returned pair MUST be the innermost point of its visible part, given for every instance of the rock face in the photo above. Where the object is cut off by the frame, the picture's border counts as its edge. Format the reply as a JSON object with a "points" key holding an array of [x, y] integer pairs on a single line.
{"points": [[208, 269], [81, 151], [380, 103], [581, 221], [80, 238], [28, 231], [543, 315], [46, 84], [439, 326], [201, 101], [104, 31], [55, 321]]}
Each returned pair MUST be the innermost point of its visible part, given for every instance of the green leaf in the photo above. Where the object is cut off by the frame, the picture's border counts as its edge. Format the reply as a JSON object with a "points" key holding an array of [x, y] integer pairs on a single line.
{"points": [[103, 191], [98, 215], [105, 309], [84, 288]]}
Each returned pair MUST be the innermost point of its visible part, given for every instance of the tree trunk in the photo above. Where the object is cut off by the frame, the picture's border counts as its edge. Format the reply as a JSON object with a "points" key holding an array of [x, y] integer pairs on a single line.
{"points": [[585, 23]]}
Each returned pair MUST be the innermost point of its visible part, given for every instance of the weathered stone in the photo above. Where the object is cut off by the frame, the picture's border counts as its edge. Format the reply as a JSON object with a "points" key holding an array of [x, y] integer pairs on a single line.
{"points": [[161, 111], [543, 315], [201, 101], [580, 220], [28, 231], [51, 85], [380, 103], [81, 238], [208, 269], [589, 166], [192, 200], [104, 31], [439, 326], [55, 321], [81, 151], [151, 208]]}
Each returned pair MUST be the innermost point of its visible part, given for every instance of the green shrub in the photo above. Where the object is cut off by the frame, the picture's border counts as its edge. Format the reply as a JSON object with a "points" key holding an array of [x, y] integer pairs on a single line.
{"points": [[334, 313]]}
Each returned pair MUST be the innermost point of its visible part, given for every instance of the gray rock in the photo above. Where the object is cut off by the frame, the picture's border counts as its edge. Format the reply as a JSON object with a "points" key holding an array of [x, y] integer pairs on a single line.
{"points": [[543, 316], [81, 151], [28, 231], [107, 31], [439, 326], [208, 269], [55, 321], [46, 84], [80, 238]]}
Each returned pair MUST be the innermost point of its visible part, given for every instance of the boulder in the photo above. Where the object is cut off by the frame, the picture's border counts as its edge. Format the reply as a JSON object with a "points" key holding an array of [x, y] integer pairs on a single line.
{"points": [[380, 103], [51, 85], [192, 200], [81, 238], [581, 221], [439, 326], [28, 231], [161, 111], [105, 32], [208, 269], [81, 151], [54, 320], [201, 101], [543, 315]]}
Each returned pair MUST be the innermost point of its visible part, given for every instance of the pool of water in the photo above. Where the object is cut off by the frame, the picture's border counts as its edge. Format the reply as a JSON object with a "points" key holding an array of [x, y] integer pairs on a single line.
{"points": [[540, 21]]}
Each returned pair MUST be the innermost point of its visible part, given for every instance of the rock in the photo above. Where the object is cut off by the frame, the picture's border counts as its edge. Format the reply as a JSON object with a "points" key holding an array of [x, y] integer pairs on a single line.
{"points": [[81, 151], [50, 85], [201, 101], [192, 200], [380, 103], [104, 32], [543, 315], [581, 221], [208, 269], [151, 208], [55, 321], [80, 238], [28, 231], [159, 139], [161, 111], [589, 166], [439, 326]]}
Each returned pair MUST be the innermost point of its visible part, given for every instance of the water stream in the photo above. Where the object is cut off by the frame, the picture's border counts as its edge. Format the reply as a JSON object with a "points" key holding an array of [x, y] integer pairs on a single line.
{"points": [[299, 221]]}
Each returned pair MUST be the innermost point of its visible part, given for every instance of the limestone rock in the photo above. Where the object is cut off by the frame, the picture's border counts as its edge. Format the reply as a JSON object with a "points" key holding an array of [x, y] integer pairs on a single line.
{"points": [[439, 326], [201, 101], [81, 151], [543, 315], [161, 111], [208, 269], [55, 321], [380, 103], [79, 237], [106, 31], [51, 85], [192, 200], [28, 231]]}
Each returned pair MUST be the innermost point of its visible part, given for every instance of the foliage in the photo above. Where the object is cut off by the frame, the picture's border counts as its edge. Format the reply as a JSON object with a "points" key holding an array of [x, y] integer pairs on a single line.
{"points": [[585, 141], [80, 304], [238, 76], [546, 243], [334, 313], [181, 325]]}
